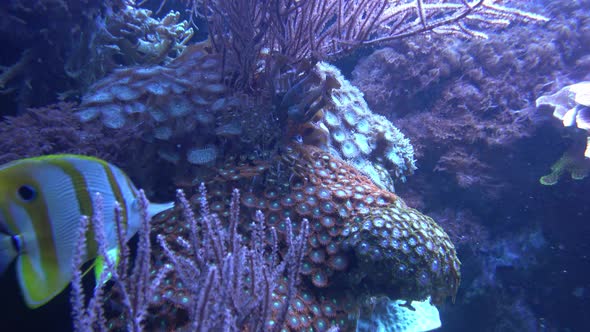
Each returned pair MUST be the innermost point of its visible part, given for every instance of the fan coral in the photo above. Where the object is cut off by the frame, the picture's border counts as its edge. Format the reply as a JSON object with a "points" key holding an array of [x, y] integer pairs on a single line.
{"points": [[317, 30], [222, 276]]}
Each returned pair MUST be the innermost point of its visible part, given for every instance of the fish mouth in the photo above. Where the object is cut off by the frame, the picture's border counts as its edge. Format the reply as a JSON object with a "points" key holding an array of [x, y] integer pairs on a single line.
{"points": [[4, 226]]}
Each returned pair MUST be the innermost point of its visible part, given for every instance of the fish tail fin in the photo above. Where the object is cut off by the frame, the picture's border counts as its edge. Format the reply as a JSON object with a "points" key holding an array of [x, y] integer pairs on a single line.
{"points": [[155, 208], [7, 251]]}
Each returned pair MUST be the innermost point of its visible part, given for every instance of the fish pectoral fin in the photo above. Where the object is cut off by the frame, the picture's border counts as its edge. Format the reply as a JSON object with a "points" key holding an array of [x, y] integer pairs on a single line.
{"points": [[100, 266], [39, 286], [7, 251]]}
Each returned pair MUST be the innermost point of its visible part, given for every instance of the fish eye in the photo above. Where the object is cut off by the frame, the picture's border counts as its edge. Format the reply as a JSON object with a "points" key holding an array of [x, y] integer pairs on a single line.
{"points": [[27, 193]]}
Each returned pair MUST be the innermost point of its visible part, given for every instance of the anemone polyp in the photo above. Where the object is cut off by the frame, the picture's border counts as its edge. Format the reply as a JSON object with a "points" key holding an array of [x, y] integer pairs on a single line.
{"points": [[317, 256], [306, 268], [319, 278], [328, 207], [299, 305], [293, 321], [328, 221], [338, 262]]}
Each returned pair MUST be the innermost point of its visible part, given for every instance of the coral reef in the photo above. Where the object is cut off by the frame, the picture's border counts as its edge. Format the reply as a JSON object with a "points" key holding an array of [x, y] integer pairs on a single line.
{"points": [[55, 129], [363, 241], [241, 269], [167, 103], [204, 91], [264, 42], [74, 43], [220, 111], [462, 94], [222, 278], [340, 122]]}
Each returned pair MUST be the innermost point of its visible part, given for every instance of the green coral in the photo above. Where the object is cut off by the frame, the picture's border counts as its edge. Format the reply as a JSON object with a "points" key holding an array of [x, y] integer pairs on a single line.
{"points": [[575, 164]]}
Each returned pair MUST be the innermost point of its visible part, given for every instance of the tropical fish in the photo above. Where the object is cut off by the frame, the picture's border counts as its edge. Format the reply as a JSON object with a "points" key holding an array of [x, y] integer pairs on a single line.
{"points": [[42, 200]]}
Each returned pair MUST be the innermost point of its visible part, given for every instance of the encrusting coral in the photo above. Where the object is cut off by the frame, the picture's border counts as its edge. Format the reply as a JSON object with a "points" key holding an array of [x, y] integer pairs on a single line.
{"points": [[170, 103], [363, 241]]}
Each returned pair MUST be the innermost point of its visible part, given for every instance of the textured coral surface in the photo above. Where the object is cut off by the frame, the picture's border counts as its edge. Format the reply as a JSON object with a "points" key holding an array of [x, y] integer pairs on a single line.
{"points": [[363, 242]]}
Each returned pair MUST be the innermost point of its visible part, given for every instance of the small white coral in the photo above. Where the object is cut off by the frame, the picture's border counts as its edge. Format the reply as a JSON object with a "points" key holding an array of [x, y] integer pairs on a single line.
{"points": [[202, 156], [571, 106]]}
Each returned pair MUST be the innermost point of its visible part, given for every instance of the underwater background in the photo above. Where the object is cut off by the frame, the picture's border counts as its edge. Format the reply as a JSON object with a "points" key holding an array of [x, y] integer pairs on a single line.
{"points": [[480, 122]]}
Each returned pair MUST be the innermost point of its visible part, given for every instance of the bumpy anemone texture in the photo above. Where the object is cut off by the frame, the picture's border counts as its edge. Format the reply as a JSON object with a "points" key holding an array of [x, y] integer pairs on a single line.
{"points": [[345, 126], [363, 241], [170, 103]]}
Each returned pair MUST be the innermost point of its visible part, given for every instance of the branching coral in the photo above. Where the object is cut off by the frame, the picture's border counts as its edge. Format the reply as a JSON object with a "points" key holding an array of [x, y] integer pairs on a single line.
{"points": [[130, 36], [224, 280], [288, 32]]}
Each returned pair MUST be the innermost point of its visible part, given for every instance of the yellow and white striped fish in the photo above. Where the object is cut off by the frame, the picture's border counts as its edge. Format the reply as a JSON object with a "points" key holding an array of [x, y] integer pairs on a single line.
{"points": [[41, 202]]}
